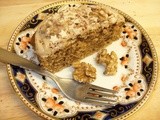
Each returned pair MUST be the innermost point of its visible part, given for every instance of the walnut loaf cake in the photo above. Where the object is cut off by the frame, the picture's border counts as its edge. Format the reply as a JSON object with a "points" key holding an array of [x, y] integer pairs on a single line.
{"points": [[74, 32]]}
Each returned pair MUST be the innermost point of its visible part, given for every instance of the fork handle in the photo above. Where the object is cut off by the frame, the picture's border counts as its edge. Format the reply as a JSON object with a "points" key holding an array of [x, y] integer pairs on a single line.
{"points": [[14, 59]]}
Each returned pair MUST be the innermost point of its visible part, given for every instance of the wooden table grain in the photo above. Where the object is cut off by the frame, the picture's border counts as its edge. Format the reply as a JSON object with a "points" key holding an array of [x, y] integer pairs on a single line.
{"points": [[146, 12]]}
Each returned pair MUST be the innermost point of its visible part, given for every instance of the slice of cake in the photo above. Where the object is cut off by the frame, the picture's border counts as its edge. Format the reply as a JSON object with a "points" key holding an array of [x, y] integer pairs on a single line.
{"points": [[75, 32]]}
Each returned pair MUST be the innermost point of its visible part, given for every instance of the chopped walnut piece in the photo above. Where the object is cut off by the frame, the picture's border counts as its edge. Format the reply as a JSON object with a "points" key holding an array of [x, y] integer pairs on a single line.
{"points": [[84, 72], [124, 43], [116, 88], [124, 78], [108, 60]]}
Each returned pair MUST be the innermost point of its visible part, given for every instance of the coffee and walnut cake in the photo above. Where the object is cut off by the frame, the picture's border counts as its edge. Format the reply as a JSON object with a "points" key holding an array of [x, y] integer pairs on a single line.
{"points": [[74, 32]]}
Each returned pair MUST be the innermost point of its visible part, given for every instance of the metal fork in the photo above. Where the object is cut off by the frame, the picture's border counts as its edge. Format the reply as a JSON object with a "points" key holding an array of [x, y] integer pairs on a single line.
{"points": [[72, 89]]}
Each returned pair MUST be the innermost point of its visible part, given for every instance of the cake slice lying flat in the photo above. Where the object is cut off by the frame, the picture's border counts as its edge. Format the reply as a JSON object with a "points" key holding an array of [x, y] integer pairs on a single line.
{"points": [[75, 32]]}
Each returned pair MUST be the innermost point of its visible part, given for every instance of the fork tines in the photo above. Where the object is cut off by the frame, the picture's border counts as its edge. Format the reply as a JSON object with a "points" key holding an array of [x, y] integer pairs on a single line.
{"points": [[99, 95], [94, 87]]}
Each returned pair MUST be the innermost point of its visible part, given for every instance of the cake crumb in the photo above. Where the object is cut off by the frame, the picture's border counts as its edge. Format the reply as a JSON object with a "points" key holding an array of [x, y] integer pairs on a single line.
{"points": [[108, 60], [116, 88], [84, 72]]}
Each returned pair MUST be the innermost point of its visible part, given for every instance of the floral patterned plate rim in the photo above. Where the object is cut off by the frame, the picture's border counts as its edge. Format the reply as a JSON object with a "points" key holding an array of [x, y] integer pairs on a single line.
{"points": [[30, 91]]}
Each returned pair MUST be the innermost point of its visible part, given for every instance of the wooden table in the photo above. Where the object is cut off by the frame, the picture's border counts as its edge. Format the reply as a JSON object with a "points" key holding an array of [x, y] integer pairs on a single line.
{"points": [[146, 12]]}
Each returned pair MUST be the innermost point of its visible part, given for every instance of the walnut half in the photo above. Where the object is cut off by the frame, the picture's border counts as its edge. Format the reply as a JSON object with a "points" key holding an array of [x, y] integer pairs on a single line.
{"points": [[84, 72], [108, 60]]}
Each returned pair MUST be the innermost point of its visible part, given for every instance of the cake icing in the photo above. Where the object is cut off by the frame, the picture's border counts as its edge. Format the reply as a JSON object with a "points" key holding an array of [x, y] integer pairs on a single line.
{"points": [[72, 22]]}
